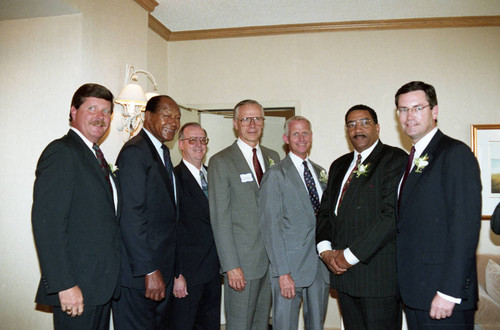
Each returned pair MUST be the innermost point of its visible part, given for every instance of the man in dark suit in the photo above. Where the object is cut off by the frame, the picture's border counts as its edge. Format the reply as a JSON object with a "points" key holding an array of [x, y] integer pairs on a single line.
{"points": [[495, 220], [148, 223], [289, 201], [234, 175], [357, 225], [439, 218], [197, 286], [74, 218]]}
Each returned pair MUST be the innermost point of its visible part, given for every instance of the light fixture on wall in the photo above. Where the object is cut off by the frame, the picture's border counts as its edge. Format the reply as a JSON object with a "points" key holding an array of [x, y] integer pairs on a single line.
{"points": [[133, 100]]}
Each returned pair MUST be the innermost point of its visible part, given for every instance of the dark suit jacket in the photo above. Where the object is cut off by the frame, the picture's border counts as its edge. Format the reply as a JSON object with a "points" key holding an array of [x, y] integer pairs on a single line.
{"points": [[495, 220], [197, 258], [366, 221], [438, 226], [148, 223], [74, 224]]}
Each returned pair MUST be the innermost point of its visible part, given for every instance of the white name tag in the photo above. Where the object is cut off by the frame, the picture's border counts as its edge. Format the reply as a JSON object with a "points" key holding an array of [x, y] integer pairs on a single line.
{"points": [[247, 177]]}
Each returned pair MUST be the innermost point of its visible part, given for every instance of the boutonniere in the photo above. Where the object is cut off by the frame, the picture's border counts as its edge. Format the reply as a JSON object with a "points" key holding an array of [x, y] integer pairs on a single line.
{"points": [[361, 170], [323, 176], [113, 168], [271, 161], [421, 163]]}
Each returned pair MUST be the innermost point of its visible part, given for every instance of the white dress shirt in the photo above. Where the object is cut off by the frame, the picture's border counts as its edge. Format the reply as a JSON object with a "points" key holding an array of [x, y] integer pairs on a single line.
{"points": [[195, 171], [248, 154], [297, 161]]}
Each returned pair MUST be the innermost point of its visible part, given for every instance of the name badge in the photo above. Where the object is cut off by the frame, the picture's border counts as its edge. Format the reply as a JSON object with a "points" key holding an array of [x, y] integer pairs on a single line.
{"points": [[247, 177]]}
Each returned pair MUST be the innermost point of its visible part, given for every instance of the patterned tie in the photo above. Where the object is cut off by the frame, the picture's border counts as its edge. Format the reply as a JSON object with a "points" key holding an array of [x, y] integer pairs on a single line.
{"points": [[168, 164], [407, 172], [204, 184], [311, 188], [351, 175], [103, 164], [256, 166]]}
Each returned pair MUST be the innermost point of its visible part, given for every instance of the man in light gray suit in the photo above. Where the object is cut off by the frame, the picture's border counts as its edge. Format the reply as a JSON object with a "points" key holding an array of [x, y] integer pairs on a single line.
{"points": [[289, 201], [234, 175]]}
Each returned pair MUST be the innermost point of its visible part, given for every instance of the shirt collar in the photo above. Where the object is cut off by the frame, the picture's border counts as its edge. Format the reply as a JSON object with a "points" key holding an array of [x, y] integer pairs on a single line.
{"points": [[365, 153], [153, 139], [245, 147], [424, 142], [87, 142]]}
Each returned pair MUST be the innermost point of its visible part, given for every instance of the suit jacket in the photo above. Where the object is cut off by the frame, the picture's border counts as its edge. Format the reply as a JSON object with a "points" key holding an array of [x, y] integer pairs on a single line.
{"points": [[234, 213], [495, 220], [288, 223], [366, 221], [148, 223], [74, 224], [438, 226], [197, 258]]}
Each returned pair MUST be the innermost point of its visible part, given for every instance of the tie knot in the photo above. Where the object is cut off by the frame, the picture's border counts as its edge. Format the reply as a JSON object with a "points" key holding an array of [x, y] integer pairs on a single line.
{"points": [[95, 147], [254, 150], [305, 164]]}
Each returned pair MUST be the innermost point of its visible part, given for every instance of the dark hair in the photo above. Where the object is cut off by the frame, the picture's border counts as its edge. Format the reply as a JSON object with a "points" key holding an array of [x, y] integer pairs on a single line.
{"points": [[365, 108], [430, 92], [90, 90], [245, 102], [153, 102], [190, 124]]}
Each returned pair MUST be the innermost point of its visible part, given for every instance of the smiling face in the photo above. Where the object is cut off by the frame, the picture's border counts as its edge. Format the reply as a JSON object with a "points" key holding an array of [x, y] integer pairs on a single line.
{"points": [[165, 122], [360, 137], [299, 138], [92, 118], [193, 153], [416, 124], [249, 134]]}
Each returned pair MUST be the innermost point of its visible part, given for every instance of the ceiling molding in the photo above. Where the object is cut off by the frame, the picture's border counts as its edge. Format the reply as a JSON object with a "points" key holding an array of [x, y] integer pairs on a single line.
{"points": [[393, 24], [149, 5]]}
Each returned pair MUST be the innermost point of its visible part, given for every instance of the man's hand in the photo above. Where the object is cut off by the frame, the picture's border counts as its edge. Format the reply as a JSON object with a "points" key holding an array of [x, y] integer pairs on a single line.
{"points": [[341, 262], [236, 279], [287, 286], [180, 287], [155, 287], [328, 258], [441, 308], [72, 301]]}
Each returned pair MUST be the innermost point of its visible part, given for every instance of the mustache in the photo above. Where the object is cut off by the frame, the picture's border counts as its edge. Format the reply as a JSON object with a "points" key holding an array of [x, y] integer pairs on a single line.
{"points": [[359, 135], [98, 122]]}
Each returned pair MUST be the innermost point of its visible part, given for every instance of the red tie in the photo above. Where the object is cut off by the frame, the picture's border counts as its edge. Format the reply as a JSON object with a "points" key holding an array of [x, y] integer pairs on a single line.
{"points": [[351, 175], [408, 168], [256, 166]]}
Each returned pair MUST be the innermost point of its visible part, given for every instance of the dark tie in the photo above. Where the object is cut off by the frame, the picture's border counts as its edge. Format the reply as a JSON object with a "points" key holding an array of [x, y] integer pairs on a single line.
{"points": [[103, 164], [256, 166], [351, 175], [311, 188], [204, 184], [407, 171], [168, 164]]}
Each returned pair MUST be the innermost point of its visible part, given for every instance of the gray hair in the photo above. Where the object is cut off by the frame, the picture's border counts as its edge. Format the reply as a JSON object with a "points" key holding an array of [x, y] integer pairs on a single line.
{"points": [[295, 118]]}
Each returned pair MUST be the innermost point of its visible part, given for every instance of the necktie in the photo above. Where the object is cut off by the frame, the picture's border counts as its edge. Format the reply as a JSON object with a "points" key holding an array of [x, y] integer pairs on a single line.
{"points": [[351, 175], [204, 184], [168, 164], [311, 188], [103, 164], [407, 171], [256, 166]]}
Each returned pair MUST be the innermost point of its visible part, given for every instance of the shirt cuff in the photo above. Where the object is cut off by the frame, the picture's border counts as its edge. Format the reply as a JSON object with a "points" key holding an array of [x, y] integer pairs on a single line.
{"points": [[450, 298], [323, 246], [349, 257]]}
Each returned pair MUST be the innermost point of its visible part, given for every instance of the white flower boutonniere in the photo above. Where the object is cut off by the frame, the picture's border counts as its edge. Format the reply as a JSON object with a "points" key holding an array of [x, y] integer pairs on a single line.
{"points": [[113, 168], [361, 170], [421, 163], [323, 176], [271, 161]]}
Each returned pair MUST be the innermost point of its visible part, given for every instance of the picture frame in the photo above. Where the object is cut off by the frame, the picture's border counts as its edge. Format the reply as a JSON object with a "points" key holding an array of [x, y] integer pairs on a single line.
{"points": [[485, 143]]}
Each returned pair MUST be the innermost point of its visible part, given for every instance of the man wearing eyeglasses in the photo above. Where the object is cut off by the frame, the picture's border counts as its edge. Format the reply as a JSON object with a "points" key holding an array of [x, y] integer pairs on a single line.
{"points": [[357, 225], [289, 201], [235, 174], [197, 284], [439, 218]]}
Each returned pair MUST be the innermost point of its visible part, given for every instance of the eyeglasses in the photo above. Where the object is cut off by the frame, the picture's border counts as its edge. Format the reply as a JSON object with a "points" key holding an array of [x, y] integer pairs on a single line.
{"points": [[360, 123], [416, 109], [194, 140], [246, 121]]}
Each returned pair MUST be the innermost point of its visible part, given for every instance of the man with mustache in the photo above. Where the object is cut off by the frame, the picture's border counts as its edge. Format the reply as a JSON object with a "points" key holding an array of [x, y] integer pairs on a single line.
{"points": [[74, 217], [357, 225], [148, 223]]}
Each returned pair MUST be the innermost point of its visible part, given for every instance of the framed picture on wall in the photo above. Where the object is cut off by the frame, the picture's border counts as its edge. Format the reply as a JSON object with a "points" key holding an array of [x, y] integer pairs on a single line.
{"points": [[486, 148]]}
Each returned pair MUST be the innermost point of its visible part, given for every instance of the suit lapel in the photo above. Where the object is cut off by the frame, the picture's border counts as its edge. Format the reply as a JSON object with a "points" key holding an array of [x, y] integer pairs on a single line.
{"points": [[290, 172], [241, 164]]}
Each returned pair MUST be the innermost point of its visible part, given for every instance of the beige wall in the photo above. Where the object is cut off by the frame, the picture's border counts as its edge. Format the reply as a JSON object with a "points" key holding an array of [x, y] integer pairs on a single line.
{"points": [[45, 59]]}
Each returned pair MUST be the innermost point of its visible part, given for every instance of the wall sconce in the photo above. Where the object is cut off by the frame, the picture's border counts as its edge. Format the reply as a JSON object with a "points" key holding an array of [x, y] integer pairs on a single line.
{"points": [[133, 101]]}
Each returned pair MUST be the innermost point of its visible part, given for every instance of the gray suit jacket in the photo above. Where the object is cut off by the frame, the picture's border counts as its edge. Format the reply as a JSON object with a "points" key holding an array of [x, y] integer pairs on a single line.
{"points": [[288, 223], [234, 214]]}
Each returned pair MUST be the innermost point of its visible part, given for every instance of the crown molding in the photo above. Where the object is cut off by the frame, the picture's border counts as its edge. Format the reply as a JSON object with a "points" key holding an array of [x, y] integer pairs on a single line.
{"points": [[394, 24], [149, 5]]}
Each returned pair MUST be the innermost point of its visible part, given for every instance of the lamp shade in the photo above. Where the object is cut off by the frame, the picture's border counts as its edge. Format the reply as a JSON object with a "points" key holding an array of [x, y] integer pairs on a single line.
{"points": [[149, 95], [131, 93]]}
